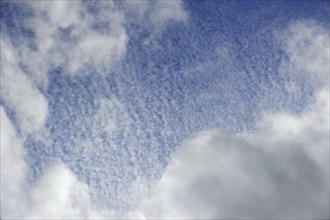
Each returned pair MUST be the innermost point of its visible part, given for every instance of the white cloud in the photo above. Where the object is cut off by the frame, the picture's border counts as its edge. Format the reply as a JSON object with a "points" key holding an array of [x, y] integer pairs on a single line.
{"points": [[17, 90], [56, 10], [68, 35], [167, 11], [307, 45], [13, 169], [219, 175], [158, 13], [281, 170], [310, 130], [58, 194]]}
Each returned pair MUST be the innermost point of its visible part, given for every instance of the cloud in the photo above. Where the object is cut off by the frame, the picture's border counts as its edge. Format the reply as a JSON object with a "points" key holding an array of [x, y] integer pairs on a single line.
{"points": [[158, 13], [279, 170], [57, 194], [167, 11], [15, 189], [79, 38], [20, 94], [70, 34], [307, 45], [13, 168], [84, 37], [310, 130], [218, 175]]}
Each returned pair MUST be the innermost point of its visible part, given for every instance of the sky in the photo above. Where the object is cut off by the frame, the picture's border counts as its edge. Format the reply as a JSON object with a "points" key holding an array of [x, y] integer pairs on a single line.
{"points": [[165, 109]]}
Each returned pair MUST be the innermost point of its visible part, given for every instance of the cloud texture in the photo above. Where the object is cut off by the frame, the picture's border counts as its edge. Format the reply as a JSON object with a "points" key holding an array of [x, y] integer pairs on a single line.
{"points": [[79, 38], [96, 99], [279, 170]]}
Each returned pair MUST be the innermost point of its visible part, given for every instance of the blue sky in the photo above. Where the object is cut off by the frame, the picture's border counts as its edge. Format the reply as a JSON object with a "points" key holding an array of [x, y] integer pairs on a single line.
{"points": [[119, 97]]}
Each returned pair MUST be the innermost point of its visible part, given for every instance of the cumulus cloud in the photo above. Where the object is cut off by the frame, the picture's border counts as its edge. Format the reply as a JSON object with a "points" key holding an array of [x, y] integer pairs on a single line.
{"points": [[280, 170]]}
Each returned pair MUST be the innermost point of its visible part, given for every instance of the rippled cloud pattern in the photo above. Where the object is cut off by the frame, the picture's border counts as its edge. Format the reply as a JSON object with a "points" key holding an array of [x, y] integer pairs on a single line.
{"points": [[165, 109]]}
